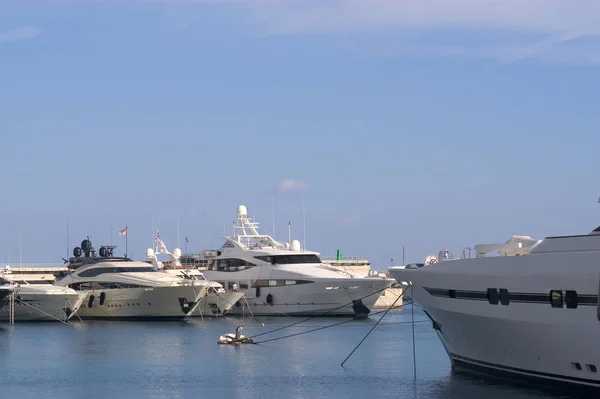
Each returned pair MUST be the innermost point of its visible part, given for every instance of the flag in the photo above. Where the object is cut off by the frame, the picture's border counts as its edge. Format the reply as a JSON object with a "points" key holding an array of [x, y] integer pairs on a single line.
{"points": [[123, 232]]}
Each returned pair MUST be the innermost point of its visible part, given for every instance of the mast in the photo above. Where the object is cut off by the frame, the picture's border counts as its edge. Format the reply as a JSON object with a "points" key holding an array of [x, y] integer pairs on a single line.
{"points": [[303, 224]]}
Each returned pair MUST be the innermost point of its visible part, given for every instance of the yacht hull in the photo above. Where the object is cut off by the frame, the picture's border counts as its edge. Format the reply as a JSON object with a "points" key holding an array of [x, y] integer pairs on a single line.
{"points": [[150, 303], [520, 333], [40, 306], [487, 345], [343, 297]]}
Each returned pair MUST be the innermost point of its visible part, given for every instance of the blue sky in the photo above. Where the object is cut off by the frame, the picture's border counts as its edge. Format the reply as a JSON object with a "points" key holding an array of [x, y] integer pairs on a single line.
{"points": [[438, 126]]}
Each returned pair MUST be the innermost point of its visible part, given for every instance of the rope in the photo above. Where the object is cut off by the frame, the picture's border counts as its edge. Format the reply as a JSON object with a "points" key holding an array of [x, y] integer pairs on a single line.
{"points": [[76, 312], [371, 330], [319, 315], [318, 329], [41, 311]]}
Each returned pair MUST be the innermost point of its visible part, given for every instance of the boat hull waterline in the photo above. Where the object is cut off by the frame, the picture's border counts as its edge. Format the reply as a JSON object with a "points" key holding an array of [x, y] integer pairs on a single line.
{"points": [[348, 298]]}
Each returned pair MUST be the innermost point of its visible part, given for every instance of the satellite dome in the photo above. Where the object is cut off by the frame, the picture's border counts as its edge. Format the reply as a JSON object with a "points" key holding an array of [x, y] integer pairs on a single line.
{"points": [[177, 253], [242, 211]]}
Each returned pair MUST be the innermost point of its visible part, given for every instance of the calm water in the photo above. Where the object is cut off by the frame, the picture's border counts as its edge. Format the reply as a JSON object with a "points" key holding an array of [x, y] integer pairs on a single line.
{"points": [[183, 360]]}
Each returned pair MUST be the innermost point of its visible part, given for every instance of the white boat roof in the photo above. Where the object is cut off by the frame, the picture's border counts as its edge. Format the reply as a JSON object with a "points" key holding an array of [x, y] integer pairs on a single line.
{"points": [[524, 245], [516, 245]]}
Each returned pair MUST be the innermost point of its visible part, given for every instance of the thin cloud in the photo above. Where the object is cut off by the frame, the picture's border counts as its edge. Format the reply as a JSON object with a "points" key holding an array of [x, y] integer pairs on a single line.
{"points": [[582, 16], [22, 33], [548, 30], [290, 185]]}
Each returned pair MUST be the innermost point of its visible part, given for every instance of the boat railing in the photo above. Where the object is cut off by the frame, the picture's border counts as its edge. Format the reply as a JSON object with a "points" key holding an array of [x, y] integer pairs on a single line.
{"points": [[345, 259]]}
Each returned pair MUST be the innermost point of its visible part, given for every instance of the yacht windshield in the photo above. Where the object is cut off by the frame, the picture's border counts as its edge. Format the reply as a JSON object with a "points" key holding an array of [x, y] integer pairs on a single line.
{"points": [[101, 270]]}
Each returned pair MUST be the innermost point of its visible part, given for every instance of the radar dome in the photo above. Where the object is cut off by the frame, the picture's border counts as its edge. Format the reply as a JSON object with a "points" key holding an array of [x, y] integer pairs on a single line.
{"points": [[86, 245], [430, 260], [177, 253], [242, 211], [445, 255], [149, 253], [295, 245]]}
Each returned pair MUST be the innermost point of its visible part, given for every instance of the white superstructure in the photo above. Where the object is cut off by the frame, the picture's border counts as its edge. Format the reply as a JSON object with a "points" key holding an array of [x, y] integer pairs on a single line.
{"points": [[531, 312], [217, 301], [120, 288], [284, 279]]}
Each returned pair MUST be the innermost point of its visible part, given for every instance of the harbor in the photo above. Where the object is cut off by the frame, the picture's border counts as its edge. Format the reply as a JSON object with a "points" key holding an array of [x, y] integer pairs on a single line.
{"points": [[265, 293], [306, 200]]}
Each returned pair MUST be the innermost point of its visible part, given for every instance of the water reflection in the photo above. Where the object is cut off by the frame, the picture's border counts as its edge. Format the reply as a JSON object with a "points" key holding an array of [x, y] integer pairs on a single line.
{"points": [[183, 360]]}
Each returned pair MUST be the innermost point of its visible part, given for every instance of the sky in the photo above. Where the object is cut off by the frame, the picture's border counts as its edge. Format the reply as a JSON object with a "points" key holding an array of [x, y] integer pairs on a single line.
{"points": [[398, 124]]}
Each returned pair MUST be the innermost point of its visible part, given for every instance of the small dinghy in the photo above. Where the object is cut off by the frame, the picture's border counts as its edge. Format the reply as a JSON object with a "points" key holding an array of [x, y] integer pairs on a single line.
{"points": [[235, 339]]}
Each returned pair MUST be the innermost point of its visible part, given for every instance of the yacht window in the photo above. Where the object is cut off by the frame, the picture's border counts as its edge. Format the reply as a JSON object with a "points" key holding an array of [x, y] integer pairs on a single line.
{"points": [[272, 282], [556, 299], [571, 299], [290, 259], [244, 285], [265, 258], [101, 270], [290, 282], [233, 265], [4, 281], [504, 296], [492, 296]]}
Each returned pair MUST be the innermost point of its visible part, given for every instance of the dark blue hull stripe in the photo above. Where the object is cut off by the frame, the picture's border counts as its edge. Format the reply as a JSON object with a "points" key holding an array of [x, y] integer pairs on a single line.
{"points": [[514, 372]]}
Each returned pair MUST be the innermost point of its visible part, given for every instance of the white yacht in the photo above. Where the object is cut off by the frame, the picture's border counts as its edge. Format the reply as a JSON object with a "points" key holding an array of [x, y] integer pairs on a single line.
{"points": [[36, 299], [120, 288], [531, 312], [283, 279], [217, 301]]}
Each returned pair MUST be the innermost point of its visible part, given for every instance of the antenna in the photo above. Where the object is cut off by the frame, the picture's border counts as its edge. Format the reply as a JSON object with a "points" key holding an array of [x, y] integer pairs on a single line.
{"points": [[273, 212], [290, 232], [178, 230], [68, 253], [205, 232], [303, 224], [20, 253], [111, 233]]}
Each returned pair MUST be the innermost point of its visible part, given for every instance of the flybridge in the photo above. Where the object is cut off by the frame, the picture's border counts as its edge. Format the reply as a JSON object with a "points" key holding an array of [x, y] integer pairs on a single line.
{"points": [[246, 235]]}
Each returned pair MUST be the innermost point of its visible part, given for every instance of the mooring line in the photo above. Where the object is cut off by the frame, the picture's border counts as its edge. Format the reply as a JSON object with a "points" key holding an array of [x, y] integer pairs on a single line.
{"points": [[372, 328], [41, 311], [318, 329], [319, 315]]}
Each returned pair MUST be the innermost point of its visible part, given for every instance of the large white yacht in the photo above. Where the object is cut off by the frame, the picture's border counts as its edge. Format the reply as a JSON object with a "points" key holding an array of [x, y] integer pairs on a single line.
{"points": [[531, 312], [38, 300], [283, 279], [217, 301], [120, 288]]}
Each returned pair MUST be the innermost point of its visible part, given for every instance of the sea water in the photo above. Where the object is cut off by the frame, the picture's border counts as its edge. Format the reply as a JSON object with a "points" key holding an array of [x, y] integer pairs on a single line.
{"points": [[106, 359]]}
